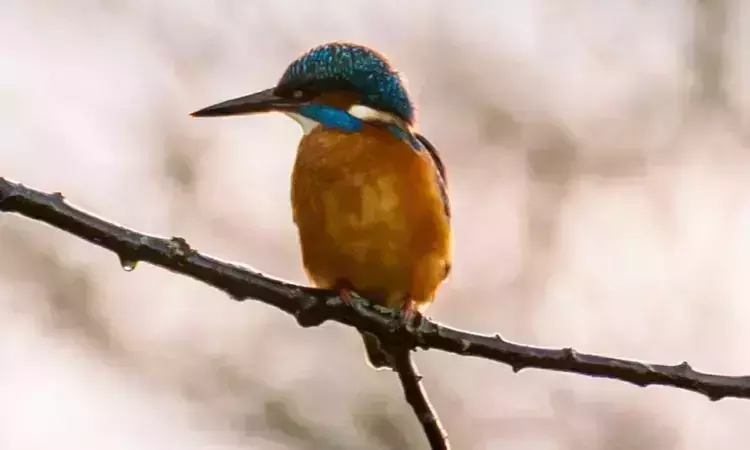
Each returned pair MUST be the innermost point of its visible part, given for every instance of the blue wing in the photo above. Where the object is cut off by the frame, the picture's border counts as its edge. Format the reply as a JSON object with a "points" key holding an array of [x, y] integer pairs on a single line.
{"points": [[442, 176]]}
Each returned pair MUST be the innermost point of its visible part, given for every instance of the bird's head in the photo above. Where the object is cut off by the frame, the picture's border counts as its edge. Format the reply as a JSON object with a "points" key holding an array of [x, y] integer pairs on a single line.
{"points": [[339, 85]]}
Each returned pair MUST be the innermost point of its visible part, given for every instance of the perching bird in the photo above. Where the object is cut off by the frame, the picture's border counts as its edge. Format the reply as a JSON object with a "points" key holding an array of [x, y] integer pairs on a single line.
{"points": [[369, 193]]}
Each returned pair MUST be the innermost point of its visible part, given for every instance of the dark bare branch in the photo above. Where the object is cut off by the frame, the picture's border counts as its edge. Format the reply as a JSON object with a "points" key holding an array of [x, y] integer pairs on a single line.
{"points": [[411, 382], [312, 307]]}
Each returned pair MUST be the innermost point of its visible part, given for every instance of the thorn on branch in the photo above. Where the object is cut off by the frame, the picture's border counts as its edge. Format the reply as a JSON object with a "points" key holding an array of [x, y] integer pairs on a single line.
{"points": [[570, 354], [684, 368]]}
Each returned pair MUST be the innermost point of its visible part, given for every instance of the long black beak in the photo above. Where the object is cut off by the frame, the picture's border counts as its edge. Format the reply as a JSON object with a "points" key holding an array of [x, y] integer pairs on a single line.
{"points": [[263, 101]]}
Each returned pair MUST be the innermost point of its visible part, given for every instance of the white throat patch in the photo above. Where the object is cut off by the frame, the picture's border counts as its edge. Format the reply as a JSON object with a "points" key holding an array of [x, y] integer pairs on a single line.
{"points": [[306, 123]]}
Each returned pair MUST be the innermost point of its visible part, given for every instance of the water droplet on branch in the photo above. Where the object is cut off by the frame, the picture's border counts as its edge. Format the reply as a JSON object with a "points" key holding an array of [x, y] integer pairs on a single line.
{"points": [[128, 265]]}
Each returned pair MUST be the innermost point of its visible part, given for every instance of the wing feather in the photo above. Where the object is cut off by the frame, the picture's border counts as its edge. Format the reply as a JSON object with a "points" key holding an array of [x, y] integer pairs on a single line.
{"points": [[442, 175]]}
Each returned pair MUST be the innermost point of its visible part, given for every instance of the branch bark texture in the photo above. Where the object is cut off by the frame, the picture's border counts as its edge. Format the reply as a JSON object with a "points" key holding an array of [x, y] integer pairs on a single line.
{"points": [[411, 382], [311, 307]]}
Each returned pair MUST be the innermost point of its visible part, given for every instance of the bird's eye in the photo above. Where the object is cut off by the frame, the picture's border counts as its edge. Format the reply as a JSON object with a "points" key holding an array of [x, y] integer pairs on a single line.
{"points": [[298, 94]]}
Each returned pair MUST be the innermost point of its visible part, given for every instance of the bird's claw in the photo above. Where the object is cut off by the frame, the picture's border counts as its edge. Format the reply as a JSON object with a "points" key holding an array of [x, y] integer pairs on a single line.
{"points": [[348, 295], [411, 318]]}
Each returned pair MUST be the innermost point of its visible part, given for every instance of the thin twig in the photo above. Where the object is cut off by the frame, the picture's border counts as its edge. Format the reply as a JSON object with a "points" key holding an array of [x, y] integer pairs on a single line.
{"points": [[311, 307], [411, 382]]}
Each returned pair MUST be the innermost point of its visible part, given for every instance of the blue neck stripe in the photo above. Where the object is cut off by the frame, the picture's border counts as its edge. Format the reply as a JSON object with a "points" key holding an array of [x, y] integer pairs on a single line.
{"points": [[331, 117]]}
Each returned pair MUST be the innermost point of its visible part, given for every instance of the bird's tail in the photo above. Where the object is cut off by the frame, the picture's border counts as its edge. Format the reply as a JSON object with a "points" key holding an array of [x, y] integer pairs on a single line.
{"points": [[374, 353]]}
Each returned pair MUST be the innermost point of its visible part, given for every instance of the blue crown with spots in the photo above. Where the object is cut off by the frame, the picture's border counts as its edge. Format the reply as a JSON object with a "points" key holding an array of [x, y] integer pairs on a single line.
{"points": [[355, 68]]}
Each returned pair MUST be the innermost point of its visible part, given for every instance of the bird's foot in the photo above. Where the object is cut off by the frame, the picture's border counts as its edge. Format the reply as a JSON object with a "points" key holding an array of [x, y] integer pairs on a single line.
{"points": [[411, 317], [346, 295]]}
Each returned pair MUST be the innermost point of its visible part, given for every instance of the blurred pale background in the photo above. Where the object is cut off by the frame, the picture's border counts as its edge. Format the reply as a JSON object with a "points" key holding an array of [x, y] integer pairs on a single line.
{"points": [[598, 162]]}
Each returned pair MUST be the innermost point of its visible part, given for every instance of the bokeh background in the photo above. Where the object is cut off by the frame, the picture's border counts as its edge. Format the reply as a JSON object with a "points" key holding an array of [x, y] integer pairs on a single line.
{"points": [[598, 161]]}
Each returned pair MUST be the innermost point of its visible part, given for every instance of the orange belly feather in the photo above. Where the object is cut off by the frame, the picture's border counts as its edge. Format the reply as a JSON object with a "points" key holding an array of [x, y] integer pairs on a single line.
{"points": [[370, 215]]}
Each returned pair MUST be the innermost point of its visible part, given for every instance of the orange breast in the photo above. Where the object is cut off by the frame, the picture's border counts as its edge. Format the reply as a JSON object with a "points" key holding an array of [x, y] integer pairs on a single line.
{"points": [[370, 214]]}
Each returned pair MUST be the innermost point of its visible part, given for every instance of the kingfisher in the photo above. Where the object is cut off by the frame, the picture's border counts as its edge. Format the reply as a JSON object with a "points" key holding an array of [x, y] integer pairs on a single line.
{"points": [[369, 193]]}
